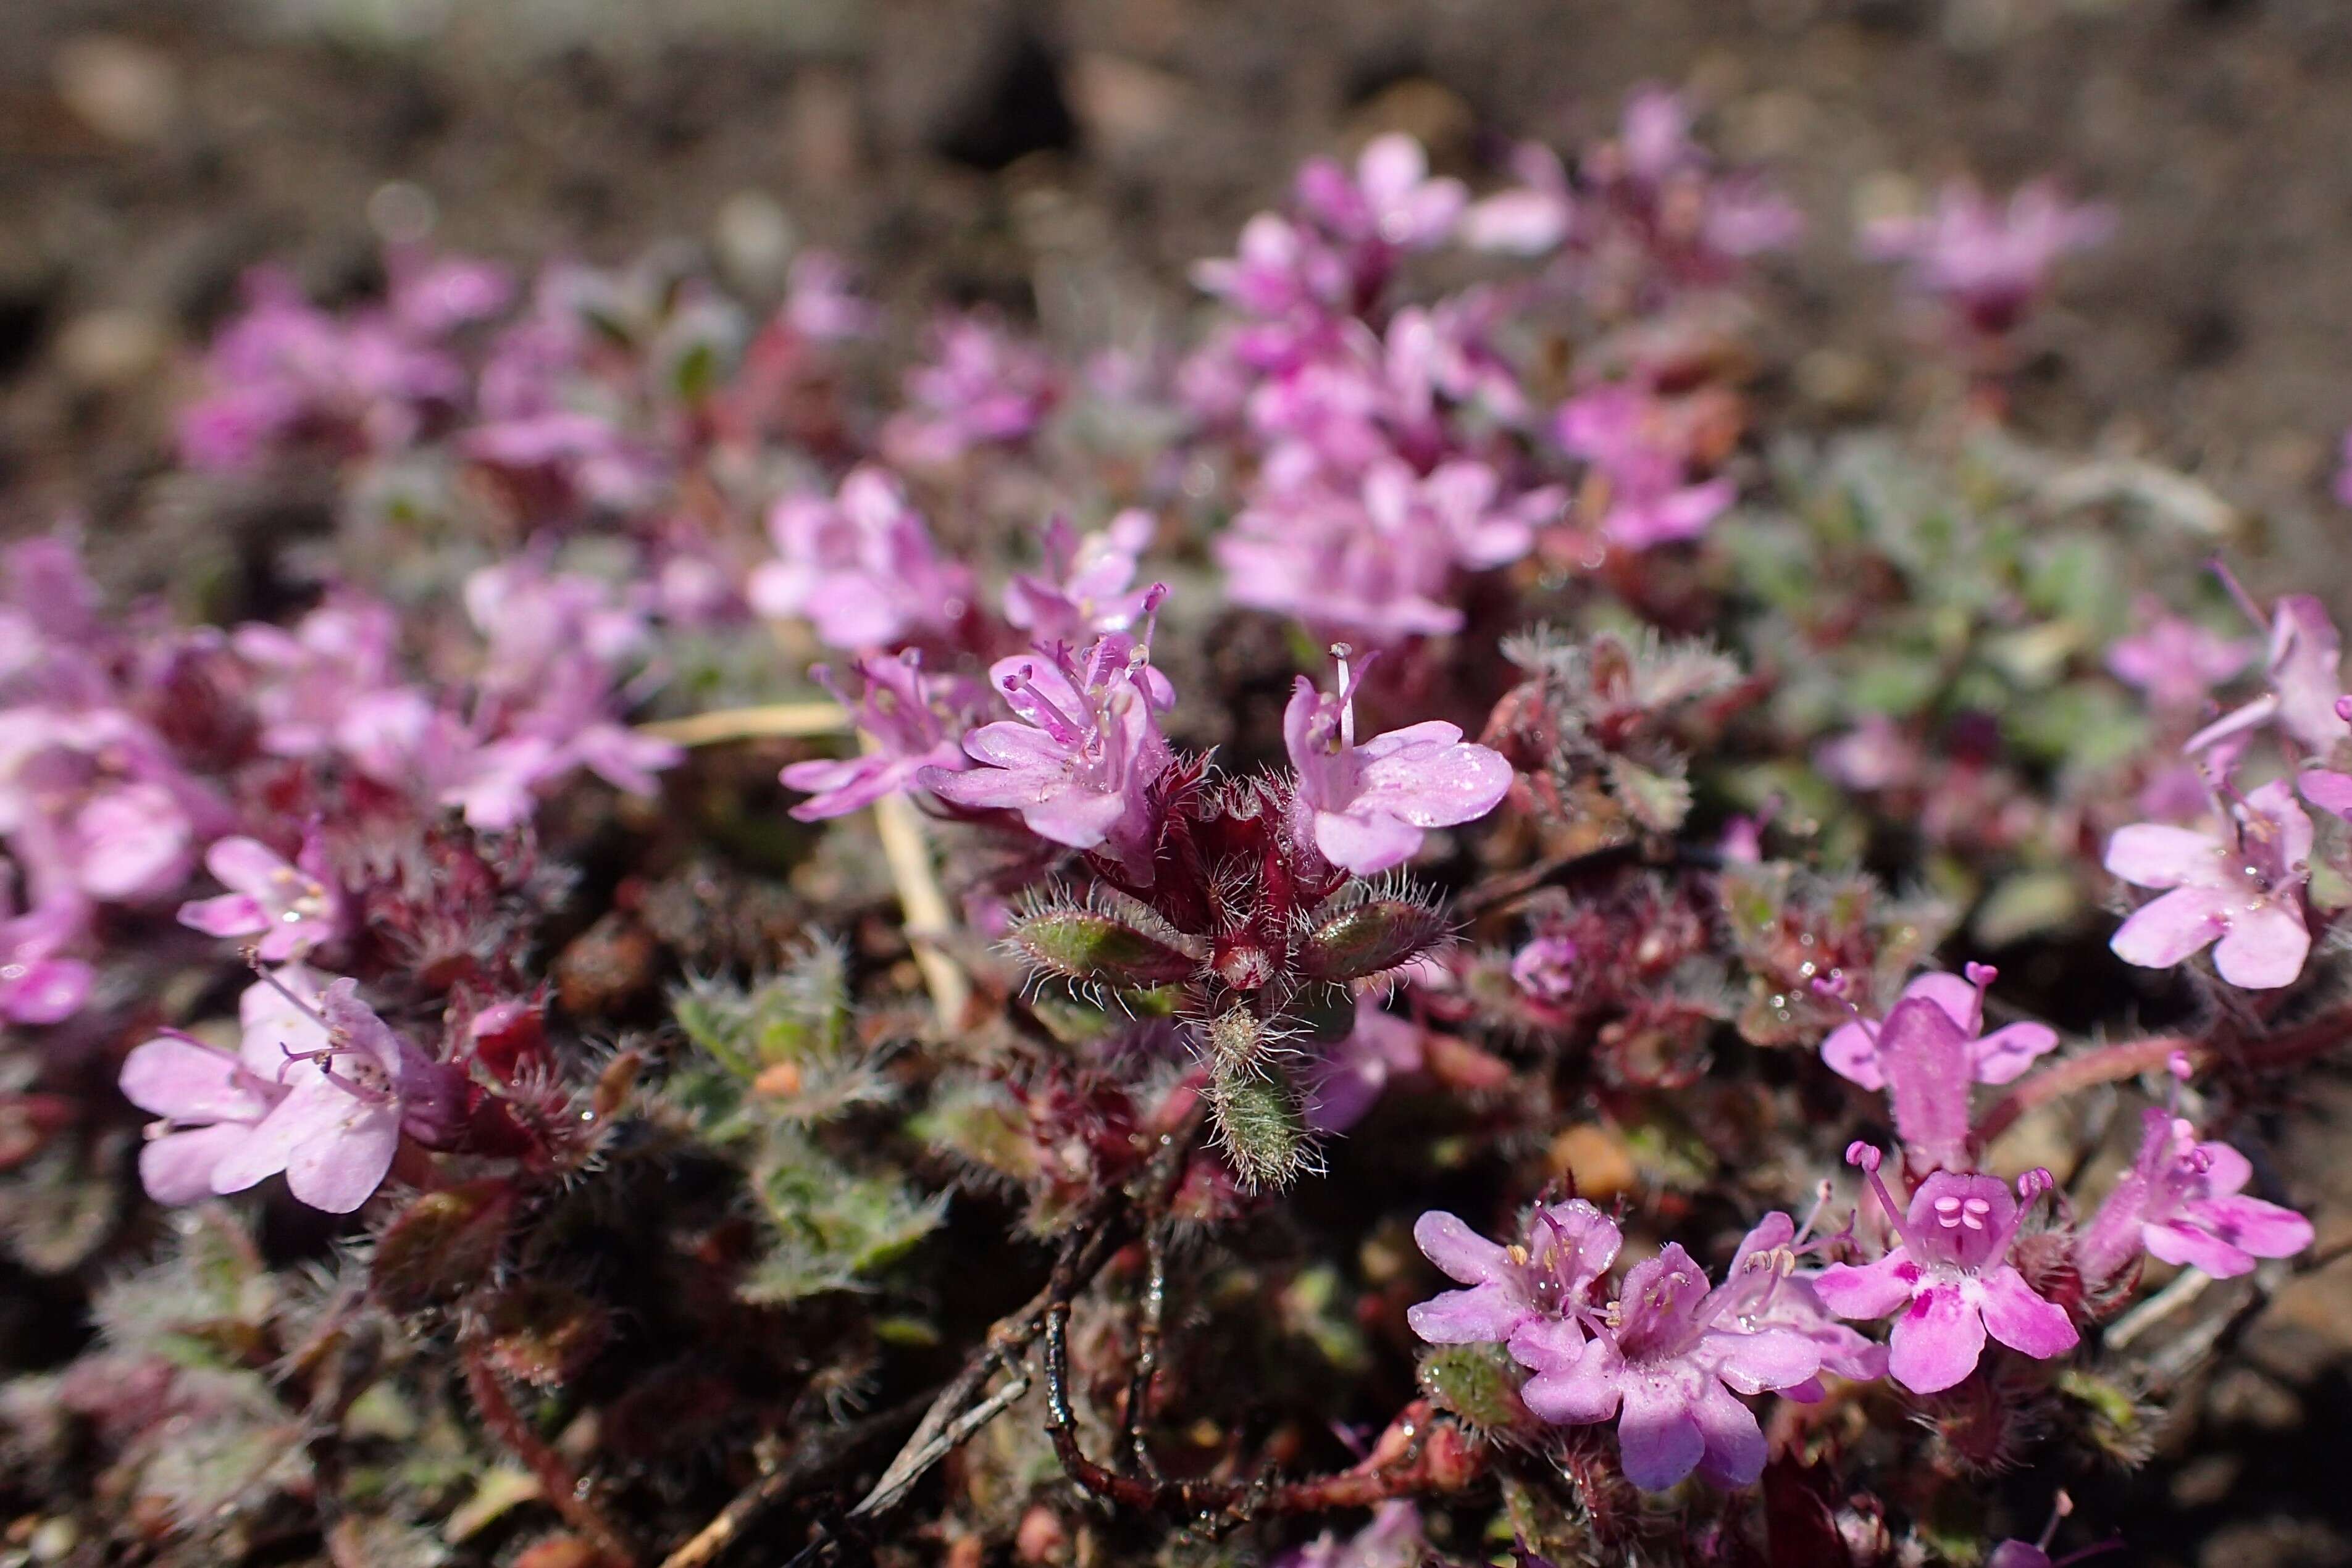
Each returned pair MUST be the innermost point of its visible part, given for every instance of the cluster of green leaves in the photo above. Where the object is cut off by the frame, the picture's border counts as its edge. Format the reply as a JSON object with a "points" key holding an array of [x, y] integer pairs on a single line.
{"points": [[773, 1065]]}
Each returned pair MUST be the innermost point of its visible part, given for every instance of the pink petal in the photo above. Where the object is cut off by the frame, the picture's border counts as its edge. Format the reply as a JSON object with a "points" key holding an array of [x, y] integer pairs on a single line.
{"points": [[1585, 1393], [245, 865], [1484, 1314], [2004, 1053], [1365, 844], [1735, 1445], [1853, 1055], [2327, 790], [2179, 1241], [1547, 1345], [230, 915], [2150, 854], [178, 1167], [2264, 947], [175, 1077], [2264, 1230], [1658, 1437], [2173, 928], [1869, 1292], [1764, 1359], [1432, 783], [2020, 1320], [1954, 996], [337, 1170], [1461, 1252], [1937, 1342]]}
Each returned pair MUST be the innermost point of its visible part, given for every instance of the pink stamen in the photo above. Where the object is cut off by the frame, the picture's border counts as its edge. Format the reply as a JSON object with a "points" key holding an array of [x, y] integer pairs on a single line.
{"points": [[2237, 590], [1980, 976], [1861, 1154]]}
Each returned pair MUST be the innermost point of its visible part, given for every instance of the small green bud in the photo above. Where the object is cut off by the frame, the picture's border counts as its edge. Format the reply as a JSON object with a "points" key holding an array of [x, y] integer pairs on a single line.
{"points": [[1114, 940], [1259, 1126], [1368, 938]]}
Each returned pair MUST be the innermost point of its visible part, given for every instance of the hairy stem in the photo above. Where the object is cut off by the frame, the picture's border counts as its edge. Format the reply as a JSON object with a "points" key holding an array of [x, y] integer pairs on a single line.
{"points": [[558, 1484]]}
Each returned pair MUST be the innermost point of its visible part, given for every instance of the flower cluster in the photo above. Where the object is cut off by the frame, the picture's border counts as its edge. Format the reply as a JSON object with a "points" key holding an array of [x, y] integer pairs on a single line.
{"points": [[1181, 827]]}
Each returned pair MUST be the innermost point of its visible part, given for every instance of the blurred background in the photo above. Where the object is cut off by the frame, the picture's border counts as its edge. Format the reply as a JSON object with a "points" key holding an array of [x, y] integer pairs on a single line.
{"points": [[1066, 161], [1068, 158]]}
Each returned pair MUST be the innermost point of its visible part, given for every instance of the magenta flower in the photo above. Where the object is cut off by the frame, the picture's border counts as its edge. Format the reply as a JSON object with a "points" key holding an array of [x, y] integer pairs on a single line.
{"points": [[820, 304], [913, 721], [2242, 893], [1667, 1364], [1350, 1078], [1617, 428], [291, 907], [1989, 261], [1533, 1289], [1854, 1050], [322, 1090], [1367, 807], [2176, 661], [2183, 1201], [2304, 667], [1277, 268], [1950, 1277], [311, 681], [1087, 586], [1764, 1289], [982, 387], [1394, 1539], [861, 567], [1546, 969], [1390, 201], [1323, 557], [38, 984], [1079, 764]]}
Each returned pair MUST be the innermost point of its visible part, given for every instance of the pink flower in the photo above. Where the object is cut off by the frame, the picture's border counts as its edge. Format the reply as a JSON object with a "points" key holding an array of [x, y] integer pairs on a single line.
{"points": [[1087, 587], [321, 1090], [1992, 262], [1667, 1364], [861, 567], [1394, 1539], [1617, 428], [2305, 666], [1539, 1282], [2176, 661], [1390, 201], [820, 304], [1367, 807], [914, 721], [1931, 1047], [1546, 969], [1531, 219], [2242, 890], [291, 909], [38, 986], [1859, 1050], [310, 682], [982, 387], [1278, 268], [1950, 1277], [1079, 765], [1765, 1288], [2183, 1201], [1348, 1079], [1875, 754]]}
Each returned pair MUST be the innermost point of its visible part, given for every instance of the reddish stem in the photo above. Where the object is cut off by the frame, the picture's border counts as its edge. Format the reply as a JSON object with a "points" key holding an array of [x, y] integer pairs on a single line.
{"points": [[2113, 1064], [558, 1484]]}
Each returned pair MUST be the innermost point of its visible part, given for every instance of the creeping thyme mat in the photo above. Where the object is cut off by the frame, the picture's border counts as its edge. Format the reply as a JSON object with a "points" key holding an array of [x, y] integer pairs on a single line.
{"points": [[1354, 935]]}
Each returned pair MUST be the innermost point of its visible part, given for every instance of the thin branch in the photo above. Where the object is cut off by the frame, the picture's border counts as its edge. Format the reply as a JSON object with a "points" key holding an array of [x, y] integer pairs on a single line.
{"points": [[799, 721], [1152, 1311]]}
